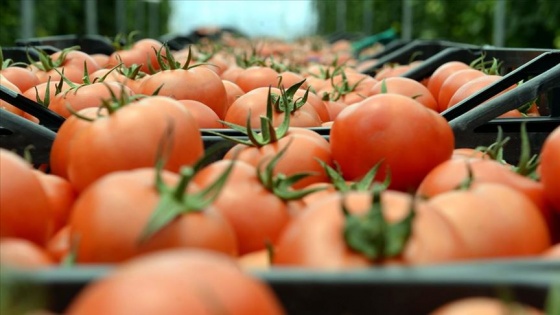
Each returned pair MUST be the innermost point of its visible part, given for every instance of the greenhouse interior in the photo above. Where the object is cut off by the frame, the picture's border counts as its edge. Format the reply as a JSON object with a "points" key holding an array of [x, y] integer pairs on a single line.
{"points": [[269, 157]]}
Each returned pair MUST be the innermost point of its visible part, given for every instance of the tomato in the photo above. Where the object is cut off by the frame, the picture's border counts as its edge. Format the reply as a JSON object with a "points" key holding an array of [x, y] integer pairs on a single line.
{"points": [[257, 77], [5, 105], [109, 217], [441, 74], [315, 238], [454, 82], [233, 91], [23, 78], [406, 87], [71, 62], [24, 254], [69, 128], [196, 83], [254, 103], [483, 306], [305, 148], [60, 194], [122, 141], [349, 88], [204, 115], [550, 168], [20, 215], [178, 282], [474, 86], [487, 217], [89, 95], [60, 245], [256, 220], [370, 132]]}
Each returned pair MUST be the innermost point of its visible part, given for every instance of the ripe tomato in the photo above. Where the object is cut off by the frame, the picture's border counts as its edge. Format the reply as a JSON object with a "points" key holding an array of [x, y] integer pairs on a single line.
{"points": [[257, 77], [483, 306], [204, 115], [121, 141], [256, 220], [305, 148], [20, 215], [254, 103], [178, 282], [408, 138], [550, 168], [24, 254], [454, 82], [441, 74], [196, 83], [109, 217], [23, 78], [89, 95], [487, 217], [60, 194], [407, 87]]}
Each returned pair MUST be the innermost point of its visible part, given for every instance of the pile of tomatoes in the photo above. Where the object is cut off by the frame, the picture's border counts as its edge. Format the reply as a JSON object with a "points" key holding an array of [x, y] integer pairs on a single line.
{"points": [[129, 182]]}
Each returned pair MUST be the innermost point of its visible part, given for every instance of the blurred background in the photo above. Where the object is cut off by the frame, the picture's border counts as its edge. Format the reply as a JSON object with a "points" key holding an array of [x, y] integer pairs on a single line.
{"points": [[510, 23]]}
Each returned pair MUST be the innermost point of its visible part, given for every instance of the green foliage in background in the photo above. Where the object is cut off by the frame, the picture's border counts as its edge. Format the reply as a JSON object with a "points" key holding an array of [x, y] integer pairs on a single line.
{"points": [[64, 17], [529, 23]]}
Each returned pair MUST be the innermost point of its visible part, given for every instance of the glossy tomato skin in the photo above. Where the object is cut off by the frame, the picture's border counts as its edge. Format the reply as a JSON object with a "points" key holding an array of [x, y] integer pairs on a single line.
{"points": [[407, 87], [550, 168], [178, 282], [122, 141], [305, 148], [408, 138], [315, 238], [109, 217], [198, 83], [256, 220], [23, 254], [488, 218], [483, 306], [440, 75], [20, 215]]}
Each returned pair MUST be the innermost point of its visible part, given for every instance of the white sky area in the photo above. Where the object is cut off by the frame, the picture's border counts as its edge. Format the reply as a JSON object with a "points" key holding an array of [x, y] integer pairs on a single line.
{"points": [[286, 19]]}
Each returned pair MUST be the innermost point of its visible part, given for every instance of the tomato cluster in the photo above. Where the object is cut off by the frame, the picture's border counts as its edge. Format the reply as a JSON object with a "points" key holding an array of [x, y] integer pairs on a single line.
{"points": [[129, 178]]}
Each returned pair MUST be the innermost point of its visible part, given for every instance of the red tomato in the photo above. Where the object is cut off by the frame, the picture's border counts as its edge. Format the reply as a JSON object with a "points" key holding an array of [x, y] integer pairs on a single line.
{"points": [[254, 103], [256, 220], [20, 215], [122, 140], [483, 306], [23, 78], [305, 148], [197, 83], [23, 254], [178, 282], [550, 168], [89, 95], [204, 115], [441, 74], [61, 196], [406, 87], [108, 219], [408, 138], [454, 82], [257, 77]]}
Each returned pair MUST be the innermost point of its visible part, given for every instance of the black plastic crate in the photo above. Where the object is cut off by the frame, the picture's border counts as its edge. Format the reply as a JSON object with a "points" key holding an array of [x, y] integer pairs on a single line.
{"points": [[91, 44], [418, 50], [377, 290]]}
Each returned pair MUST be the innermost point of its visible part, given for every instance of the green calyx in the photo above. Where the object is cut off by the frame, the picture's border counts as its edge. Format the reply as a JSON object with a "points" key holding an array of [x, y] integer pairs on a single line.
{"points": [[174, 200], [366, 183], [46, 63], [489, 67], [528, 164], [280, 184], [285, 103], [343, 88], [372, 236]]}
